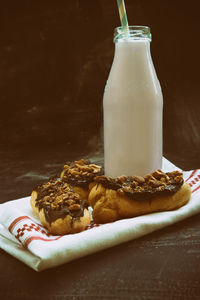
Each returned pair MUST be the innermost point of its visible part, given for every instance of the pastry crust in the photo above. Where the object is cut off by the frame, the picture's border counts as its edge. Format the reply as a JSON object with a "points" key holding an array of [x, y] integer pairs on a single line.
{"points": [[109, 205], [59, 208], [62, 226], [83, 193]]}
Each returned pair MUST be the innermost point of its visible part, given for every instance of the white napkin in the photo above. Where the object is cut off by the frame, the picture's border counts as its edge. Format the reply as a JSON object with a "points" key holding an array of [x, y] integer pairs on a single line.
{"points": [[22, 235]]}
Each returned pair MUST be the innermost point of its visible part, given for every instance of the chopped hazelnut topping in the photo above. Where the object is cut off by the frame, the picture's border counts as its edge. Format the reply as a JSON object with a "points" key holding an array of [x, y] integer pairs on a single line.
{"points": [[138, 179], [134, 184], [80, 173], [74, 207], [60, 194], [144, 187], [47, 198], [70, 202]]}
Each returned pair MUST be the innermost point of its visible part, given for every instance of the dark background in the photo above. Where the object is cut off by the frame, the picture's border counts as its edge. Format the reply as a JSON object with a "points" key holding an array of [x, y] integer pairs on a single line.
{"points": [[55, 57]]}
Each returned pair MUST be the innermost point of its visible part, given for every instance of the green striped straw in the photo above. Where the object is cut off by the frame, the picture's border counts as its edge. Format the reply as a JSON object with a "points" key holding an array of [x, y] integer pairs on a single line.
{"points": [[122, 14]]}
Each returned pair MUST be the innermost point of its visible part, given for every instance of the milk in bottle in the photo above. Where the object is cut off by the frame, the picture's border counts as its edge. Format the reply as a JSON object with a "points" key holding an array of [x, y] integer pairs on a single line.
{"points": [[133, 107]]}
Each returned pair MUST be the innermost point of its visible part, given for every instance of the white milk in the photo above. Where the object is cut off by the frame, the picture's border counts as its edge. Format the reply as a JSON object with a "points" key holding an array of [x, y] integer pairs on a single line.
{"points": [[133, 107]]}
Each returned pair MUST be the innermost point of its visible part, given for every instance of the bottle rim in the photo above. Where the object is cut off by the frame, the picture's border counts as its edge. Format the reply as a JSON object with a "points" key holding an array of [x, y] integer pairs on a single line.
{"points": [[135, 32]]}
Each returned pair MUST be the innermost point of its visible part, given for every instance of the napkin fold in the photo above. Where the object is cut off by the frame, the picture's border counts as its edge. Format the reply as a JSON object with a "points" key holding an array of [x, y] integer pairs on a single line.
{"points": [[23, 236]]}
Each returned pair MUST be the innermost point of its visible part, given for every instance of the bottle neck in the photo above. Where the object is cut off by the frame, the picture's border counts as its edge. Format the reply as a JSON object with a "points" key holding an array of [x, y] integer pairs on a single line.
{"points": [[132, 33]]}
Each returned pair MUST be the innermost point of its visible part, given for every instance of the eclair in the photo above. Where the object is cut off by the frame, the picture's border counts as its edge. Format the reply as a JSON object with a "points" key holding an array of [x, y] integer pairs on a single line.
{"points": [[80, 176], [130, 196], [60, 209]]}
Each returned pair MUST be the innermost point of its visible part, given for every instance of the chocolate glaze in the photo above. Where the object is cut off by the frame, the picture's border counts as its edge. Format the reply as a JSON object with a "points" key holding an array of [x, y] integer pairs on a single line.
{"points": [[142, 191], [51, 188], [52, 215], [81, 180]]}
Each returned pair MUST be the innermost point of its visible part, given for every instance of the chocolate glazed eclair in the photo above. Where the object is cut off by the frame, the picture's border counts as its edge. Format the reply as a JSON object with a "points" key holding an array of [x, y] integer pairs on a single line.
{"points": [[130, 196], [60, 209], [80, 176]]}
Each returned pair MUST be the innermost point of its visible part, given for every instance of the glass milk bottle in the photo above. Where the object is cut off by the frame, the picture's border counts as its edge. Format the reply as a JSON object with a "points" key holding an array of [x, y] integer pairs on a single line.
{"points": [[132, 106]]}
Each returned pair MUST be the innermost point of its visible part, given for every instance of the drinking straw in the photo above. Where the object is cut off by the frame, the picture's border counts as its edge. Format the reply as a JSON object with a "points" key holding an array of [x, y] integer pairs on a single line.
{"points": [[122, 14]]}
